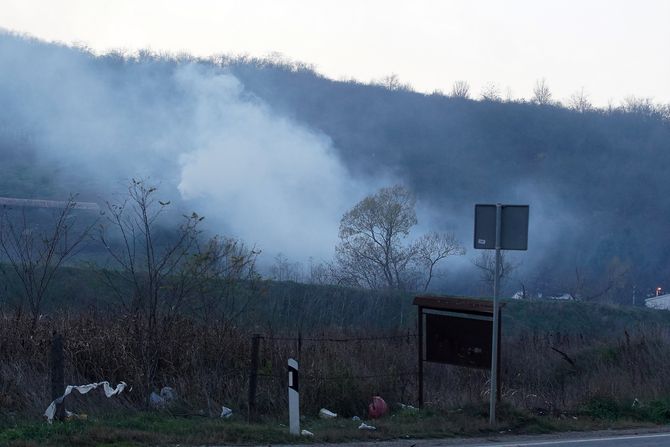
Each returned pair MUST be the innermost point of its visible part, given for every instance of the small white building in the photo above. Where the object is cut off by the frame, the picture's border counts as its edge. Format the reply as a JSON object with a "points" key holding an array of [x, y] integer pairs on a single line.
{"points": [[658, 302]]}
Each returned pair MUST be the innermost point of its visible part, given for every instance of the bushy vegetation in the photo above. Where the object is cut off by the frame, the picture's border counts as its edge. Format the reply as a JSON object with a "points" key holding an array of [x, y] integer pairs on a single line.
{"points": [[557, 370]]}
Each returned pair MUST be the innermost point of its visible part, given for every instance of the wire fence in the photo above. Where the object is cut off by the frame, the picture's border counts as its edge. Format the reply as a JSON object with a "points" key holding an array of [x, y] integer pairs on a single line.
{"points": [[340, 340], [379, 362]]}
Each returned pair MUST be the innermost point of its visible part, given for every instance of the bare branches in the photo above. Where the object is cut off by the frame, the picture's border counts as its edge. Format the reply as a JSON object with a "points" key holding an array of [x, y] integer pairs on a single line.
{"points": [[392, 82], [579, 101], [35, 253], [541, 93], [433, 247], [486, 262], [149, 264], [491, 92], [460, 89], [218, 270]]}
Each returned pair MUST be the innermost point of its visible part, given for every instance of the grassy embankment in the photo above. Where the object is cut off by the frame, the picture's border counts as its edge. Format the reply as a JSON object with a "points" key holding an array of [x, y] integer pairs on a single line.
{"points": [[618, 354], [140, 429]]}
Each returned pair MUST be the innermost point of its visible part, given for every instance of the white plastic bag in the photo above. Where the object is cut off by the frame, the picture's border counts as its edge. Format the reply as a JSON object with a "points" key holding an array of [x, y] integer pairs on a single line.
{"points": [[327, 414], [226, 412], [83, 389]]}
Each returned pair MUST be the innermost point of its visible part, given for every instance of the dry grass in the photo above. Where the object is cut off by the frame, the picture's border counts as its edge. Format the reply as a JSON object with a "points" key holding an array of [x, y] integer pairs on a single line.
{"points": [[543, 373]]}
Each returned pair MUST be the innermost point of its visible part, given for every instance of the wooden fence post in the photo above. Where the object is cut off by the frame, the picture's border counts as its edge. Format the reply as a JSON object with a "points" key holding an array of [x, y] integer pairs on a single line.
{"points": [[299, 343], [253, 376], [56, 363]]}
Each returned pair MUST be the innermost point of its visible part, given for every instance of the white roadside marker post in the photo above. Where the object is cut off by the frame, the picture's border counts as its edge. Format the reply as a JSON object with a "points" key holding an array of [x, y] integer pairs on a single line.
{"points": [[293, 398]]}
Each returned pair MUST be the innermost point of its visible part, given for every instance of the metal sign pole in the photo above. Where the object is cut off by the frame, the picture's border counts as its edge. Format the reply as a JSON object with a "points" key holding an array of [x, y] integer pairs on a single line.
{"points": [[293, 398], [496, 320]]}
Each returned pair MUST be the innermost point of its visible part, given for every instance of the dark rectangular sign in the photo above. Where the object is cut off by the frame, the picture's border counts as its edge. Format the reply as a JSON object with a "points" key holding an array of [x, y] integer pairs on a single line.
{"points": [[462, 339], [513, 230]]}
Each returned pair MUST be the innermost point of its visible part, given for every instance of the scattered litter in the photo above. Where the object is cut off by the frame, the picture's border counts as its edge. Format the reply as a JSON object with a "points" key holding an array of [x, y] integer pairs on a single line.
{"points": [[355, 418], [327, 414], [306, 433], [365, 426], [226, 412], [377, 407], [168, 394], [83, 389], [156, 401], [70, 416], [159, 401], [407, 407], [636, 403]]}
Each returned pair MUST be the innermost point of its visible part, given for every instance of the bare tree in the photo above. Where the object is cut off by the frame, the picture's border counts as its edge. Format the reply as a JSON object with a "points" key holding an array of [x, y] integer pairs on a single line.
{"points": [[392, 82], [642, 106], [605, 287], [434, 247], [486, 262], [579, 101], [460, 89], [285, 270], [491, 92], [226, 277], [509, 94], [153, 273], [35, 253], [541, 92], [321, 272]]}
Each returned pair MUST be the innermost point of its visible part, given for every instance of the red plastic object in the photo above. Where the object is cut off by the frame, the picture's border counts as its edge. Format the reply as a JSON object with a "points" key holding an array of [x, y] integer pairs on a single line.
{"points": [[377, 408]]}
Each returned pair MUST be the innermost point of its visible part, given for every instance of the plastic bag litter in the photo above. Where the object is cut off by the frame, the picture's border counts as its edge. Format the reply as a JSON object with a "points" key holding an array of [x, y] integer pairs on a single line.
{"points": [[226, 412], [327, 414], [306, 433], [355, 418], [168, 394], [377, 408], [407, 407], [162, 400], [365, 426], [156, 401], [83, 389], [70, 416]]}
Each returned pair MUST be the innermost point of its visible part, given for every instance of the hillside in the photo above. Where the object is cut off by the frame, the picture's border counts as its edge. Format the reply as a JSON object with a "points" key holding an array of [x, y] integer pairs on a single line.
{"points": [[248, 141]]}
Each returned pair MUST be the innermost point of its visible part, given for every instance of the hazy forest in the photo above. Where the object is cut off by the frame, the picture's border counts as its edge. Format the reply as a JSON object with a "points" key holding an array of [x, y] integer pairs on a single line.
{"points": [[231, 194], [77, 124]]}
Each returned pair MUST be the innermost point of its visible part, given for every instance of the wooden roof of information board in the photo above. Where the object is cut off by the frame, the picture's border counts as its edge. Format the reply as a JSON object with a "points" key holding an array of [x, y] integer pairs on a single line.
{"points": [[455, 303]]}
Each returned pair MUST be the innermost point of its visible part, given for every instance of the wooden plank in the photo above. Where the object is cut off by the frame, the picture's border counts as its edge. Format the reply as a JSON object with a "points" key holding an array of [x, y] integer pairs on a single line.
{"points": [[34, 203], [455, 303]]}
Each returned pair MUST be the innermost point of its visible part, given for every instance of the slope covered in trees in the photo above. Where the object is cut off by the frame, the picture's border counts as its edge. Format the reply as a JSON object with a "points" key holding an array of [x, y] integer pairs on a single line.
{"points": [[596, 179]]}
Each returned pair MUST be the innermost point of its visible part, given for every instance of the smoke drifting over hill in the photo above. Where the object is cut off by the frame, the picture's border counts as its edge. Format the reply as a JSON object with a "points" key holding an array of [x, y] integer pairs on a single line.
{"points": [[274, 154], [253, 172]]}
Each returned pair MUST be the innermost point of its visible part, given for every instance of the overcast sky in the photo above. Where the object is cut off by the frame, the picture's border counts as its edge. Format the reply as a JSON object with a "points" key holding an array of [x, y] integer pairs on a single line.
{"points": [[611, 48]]}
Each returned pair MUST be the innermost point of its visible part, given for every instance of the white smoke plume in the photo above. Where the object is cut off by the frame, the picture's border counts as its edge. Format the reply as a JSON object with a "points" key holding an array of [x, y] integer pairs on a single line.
{"points": [[191, 127]]}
